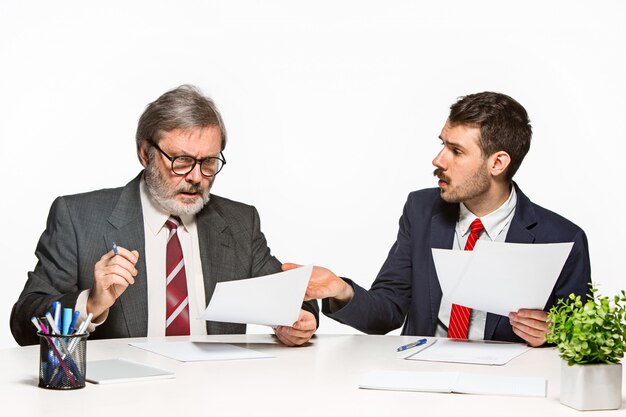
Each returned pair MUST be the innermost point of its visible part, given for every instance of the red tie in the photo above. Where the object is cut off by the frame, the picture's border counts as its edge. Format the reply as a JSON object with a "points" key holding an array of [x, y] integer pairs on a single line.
{"points": [[177, 308], [459, 317]]}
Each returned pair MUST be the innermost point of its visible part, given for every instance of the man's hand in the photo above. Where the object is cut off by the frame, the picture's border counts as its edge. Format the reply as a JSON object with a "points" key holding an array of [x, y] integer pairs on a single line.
{"points": [[112, 275], [324, 284], [300, 332], [530, 325]]}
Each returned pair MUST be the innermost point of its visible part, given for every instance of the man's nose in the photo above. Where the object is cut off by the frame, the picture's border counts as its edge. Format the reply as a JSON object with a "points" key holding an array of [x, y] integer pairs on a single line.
{"points": [[194, 176], [439, 160]]}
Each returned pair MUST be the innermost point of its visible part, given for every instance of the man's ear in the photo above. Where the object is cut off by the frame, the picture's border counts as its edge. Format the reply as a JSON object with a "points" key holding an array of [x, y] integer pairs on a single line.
{"points": [[499, 163], [142, 152]]}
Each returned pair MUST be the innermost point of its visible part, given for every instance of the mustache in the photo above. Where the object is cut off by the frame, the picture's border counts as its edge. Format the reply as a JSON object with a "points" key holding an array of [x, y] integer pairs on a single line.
{"points": [[190, 188], [439, 174]]}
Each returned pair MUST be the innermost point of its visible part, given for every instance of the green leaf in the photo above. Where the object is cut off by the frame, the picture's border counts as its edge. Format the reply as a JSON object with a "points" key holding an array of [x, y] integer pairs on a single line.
{"points": [[593, 332]]}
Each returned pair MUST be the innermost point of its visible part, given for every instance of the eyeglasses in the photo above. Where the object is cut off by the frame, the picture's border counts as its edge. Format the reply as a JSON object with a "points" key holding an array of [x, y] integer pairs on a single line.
{"points": [[183, 165]]}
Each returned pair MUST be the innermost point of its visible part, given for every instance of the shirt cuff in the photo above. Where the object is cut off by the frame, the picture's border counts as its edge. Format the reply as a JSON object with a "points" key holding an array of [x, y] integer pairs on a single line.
{"points": [[81, 307]]}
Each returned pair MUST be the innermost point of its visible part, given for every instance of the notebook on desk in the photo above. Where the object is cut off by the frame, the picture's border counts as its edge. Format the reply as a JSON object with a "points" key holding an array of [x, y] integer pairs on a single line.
{"points": [[455, 382], [111, 371]]}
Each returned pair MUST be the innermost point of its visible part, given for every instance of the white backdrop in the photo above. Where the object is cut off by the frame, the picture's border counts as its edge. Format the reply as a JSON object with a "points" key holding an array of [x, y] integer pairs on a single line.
{"points": [[333, 110]]}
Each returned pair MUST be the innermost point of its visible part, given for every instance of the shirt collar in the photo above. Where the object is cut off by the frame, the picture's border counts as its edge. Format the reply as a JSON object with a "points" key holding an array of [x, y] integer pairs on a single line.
{"points": [[154, 216], [494, 222]]}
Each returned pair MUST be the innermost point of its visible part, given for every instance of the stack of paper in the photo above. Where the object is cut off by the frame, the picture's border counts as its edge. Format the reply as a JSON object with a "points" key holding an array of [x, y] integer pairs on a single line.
{"points": [[482, 352], [200, 351]]}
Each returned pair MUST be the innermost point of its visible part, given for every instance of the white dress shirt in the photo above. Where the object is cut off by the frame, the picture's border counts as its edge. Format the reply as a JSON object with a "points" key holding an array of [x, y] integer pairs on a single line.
{"points": [[496, 227], [155, 234]]}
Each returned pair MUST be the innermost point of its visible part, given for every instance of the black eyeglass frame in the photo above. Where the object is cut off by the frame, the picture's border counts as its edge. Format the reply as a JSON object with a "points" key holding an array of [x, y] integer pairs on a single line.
{"points": [[195, 161]]}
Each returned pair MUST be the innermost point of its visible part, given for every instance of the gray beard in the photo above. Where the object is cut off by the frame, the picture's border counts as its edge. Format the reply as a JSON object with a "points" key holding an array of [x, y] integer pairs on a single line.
{"points": [[165, 199]]}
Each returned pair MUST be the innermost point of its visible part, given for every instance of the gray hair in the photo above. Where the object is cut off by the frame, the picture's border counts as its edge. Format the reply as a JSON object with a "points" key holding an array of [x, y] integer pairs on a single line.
{"points": [[184, 107]]}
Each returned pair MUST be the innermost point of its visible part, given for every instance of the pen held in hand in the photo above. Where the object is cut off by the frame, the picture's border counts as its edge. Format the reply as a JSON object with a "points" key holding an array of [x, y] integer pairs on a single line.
{"points": [[114, 248]]}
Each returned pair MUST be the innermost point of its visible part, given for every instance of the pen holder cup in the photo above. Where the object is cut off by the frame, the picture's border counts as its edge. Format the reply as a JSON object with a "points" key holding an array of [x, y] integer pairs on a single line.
{"points": [[62, 361]]}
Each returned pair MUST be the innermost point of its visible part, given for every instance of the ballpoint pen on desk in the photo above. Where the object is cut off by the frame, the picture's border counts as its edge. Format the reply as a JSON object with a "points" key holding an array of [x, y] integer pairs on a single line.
{"points": [[411, 345]]}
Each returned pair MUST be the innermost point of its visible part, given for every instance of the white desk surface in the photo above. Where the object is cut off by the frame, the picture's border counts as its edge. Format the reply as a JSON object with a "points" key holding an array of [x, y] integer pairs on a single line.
{"points": [[320, 380]]}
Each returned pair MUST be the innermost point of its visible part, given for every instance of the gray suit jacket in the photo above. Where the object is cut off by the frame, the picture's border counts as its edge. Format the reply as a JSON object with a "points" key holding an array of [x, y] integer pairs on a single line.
{"points": [[81, 228]]}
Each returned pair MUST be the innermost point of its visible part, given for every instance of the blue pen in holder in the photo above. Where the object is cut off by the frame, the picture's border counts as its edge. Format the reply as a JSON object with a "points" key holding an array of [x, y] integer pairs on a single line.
{"points": [[62, 361]]}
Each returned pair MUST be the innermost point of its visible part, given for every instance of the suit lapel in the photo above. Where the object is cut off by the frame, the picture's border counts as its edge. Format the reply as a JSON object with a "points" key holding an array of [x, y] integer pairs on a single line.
{"points": [[215, 247], [441, 237], [218, 257], [520, 231], [128, 232]]}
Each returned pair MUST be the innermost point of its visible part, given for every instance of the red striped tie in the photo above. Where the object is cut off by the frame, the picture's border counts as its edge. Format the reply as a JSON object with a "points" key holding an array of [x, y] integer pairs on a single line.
{"points": [[177, 305], [459, 317]]}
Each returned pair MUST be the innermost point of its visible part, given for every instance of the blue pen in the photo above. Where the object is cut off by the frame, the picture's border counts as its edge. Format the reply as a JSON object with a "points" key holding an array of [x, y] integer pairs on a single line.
{"points": [[56, 313], [67, 320], [73, 323], [419, 342], [114, 248]]}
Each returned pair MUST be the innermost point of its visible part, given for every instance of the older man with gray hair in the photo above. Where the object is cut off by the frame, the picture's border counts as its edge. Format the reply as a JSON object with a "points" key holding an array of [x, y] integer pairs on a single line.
{"points": [[144, 258]]}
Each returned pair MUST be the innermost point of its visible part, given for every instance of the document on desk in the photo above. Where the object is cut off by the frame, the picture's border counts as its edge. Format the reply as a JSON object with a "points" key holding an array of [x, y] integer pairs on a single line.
{"points": [[454, 382], [480, 352], [499, 277], [272, 300], [200, 351], [111, 371]]}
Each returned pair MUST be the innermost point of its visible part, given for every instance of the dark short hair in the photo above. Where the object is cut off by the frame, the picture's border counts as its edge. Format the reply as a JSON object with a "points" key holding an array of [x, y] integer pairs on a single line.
{"points": [[503, 122], [184, 107]]}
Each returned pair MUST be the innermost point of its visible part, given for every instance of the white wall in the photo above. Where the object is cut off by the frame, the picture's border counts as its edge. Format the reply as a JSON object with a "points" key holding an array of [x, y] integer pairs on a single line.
{"points": [[333, 110]]}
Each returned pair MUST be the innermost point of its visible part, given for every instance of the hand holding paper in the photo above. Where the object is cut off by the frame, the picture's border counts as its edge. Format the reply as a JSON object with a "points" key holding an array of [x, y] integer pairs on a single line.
{"points": [[324, 283], [300, 332], [530, 325]]}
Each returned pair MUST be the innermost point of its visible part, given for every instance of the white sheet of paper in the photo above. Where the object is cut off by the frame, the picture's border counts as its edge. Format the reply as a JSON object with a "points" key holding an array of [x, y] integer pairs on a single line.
{"points": [[450, 266], [458, 382], [272, 300], [482, 352], [409, 381], [500, 277], [200, 351], [111, 371], [501, 385]]}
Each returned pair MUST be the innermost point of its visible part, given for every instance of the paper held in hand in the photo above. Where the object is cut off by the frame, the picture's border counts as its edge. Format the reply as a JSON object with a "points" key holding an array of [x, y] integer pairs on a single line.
{"points": [[499, 277], [272, 300]]}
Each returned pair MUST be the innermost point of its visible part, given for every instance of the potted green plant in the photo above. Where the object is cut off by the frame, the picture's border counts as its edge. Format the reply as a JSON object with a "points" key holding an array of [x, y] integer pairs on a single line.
{"points": [[590, 337]]}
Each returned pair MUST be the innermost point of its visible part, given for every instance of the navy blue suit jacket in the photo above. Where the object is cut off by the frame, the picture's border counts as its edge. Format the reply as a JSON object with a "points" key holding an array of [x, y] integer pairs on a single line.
{"points": [[407, 289]]}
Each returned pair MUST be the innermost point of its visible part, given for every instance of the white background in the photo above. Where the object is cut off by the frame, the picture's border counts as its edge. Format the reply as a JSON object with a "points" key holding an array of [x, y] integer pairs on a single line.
{"points": [[333, 110]]}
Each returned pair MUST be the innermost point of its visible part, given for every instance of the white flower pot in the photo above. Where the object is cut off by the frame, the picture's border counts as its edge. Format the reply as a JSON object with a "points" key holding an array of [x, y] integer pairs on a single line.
{"points": [[591, 387]]}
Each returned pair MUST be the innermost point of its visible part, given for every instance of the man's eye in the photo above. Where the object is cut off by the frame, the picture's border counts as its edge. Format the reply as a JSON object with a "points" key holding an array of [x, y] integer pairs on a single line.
{"points": [[183, 161]]}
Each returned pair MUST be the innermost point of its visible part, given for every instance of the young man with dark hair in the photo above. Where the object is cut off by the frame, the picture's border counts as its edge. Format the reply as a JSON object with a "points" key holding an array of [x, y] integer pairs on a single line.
{"points": [[484, 142]]}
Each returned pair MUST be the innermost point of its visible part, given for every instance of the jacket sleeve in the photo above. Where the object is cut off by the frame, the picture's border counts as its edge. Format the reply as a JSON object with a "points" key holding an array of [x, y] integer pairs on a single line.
{"points": [[55, 277], [384, 307], [576, 274]]}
